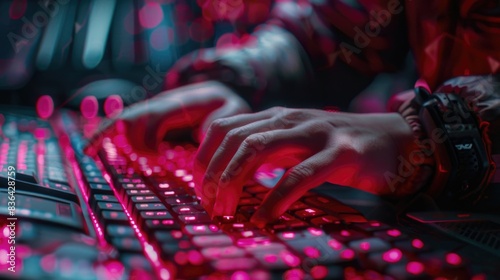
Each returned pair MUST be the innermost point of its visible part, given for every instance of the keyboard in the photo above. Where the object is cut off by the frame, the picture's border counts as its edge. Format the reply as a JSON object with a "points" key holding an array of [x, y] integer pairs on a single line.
{"points": [[127, 214]]}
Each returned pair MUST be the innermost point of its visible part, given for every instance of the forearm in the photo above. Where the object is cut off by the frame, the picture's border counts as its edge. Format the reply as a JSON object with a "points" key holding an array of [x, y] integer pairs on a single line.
{"points": [[313, 49]]}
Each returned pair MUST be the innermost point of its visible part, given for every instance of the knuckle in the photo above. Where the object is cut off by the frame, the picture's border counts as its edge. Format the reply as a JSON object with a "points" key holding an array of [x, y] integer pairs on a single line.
{"points": [[255, 141], [235, 134], [295, 115], [278, 122], [318, 128], [219, 125], [277, 109]]}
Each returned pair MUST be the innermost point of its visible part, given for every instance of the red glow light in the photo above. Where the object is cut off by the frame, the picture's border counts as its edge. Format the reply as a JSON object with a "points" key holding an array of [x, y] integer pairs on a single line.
{"points": [[394, 232], [89, 107], [315, 231], [161, 38], [335, 244], [45, 106], [453, 259], [181, 258], [392, 256], [312, 252], [347, 254], [195, 257], [290, 259], [17, 9], [415, 268], [150, 15], [240, 275], [417, 243], [113, 105], [319, 272], [271, 258], [365, 246]]}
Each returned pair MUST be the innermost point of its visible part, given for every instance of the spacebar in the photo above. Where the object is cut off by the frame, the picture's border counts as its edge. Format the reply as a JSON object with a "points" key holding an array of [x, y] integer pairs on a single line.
{"points": [[38, 189]]}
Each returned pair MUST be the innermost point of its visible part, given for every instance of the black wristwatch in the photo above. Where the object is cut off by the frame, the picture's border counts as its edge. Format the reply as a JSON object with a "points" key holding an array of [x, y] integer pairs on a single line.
{"points": [[459, 145]]}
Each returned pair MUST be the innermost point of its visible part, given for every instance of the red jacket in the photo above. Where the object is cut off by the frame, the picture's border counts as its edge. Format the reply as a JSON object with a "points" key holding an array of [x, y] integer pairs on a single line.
{"points": [[317, 41], [307, 45]]}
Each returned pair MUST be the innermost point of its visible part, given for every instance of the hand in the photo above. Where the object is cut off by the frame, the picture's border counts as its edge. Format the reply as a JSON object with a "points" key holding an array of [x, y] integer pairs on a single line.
{"points": [[145, 124], [316, 146]]}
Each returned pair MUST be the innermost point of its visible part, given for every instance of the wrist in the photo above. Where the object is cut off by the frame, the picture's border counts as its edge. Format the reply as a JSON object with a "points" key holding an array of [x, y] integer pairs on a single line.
{"points": [[458, 143]]}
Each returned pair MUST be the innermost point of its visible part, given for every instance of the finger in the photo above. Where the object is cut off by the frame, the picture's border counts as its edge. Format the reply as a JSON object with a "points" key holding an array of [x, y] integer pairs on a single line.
{"points": [[295, 183], [228, 147], [290, 145], [214, 136]]}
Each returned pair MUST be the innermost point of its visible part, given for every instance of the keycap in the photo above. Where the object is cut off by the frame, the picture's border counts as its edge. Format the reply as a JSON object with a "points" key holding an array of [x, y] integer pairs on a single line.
{"points": [[381, 260], [173, 193], [391, 234], [169, 235], [102, 206], [286, 222], [50, 190], [238, 218], [188, 209], [352, 218], [250, 238], [369, 245], [138, 192], [127, 244], [103, 198], [441, 263], [212, 240], [327, 272], [199, 229], [119, 231], [325, 220], [114, 217], [271, 261], [277, 260], [412, 270], [298, 205], [318, 249], [234, 264], [181, 200], [347, 235], [214, 253], [138, 207], [196, 218], [136, 261], [308, 213], [329, 205], [99, 189], [159, 224], [371, 226], [152, 215], [144, 198], [413, 245]]}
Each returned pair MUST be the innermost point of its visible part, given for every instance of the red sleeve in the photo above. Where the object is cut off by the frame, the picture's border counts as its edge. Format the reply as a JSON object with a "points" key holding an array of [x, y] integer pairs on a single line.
{"points": [[305, 48]]}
